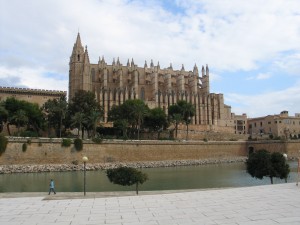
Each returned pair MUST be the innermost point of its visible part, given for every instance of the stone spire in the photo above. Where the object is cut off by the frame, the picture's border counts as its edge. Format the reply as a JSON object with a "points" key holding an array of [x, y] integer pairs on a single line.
{"points": [[202, 70], [171, 67], [182, 67], [114, 62], [86, 55], [195, 71], [78, 42], [207, 70], [145, 65], [128, 64], [132, 63], [151, 64], [158, 66]]}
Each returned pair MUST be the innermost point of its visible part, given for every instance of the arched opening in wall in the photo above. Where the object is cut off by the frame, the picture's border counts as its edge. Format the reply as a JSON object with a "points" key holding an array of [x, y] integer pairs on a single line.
{"points": [[142, 94], [250, 150], [78, 57], [93, 74], [159, 94]]}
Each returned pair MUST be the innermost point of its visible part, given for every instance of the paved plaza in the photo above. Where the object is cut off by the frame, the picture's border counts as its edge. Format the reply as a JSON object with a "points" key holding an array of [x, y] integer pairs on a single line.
{"points": [[259, 205]]}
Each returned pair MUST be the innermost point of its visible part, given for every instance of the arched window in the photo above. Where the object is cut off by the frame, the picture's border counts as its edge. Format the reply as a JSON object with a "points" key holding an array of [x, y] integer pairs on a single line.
{"points": [[78, 57], [142, 94], [93, 74]]}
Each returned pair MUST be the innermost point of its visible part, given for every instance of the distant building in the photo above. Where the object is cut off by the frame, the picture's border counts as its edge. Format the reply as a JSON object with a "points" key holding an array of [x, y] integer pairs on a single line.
{"points": [[157, 87], [38, 96], [281, 125], [240, 123]]}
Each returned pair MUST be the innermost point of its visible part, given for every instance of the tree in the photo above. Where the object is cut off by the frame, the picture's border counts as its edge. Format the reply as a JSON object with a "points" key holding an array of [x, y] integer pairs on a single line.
{"points": [[181, 111], [78, 120], [133, 111], [3, 116], [264, 164], [156, 120], [187, 112], [175, 116], [35, 116], [20, 119], [84, 102], [126, 176]]}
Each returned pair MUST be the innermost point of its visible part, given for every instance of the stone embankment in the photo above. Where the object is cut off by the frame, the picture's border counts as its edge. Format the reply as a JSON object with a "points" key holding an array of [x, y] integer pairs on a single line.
{"points": [[4, 169]]}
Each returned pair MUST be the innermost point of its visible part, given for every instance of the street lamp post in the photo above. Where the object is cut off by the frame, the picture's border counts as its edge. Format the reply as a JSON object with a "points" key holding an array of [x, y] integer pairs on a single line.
{"points": [[84, 159], [285, 157]]}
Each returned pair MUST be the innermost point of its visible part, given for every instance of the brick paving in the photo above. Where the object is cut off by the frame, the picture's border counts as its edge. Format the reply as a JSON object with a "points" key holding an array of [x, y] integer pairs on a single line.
{"points": [[265, 205]]}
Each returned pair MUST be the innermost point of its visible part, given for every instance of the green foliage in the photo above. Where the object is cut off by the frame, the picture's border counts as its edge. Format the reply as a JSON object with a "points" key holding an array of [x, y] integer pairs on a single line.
{"points": [[182, 111], [66, 142], [85, 112], [56, 110], [131, 113], [24, 147], [3, 144], [271, 136], [21, 113], [156, 120], [29, 142], [264, 164], [28, 133], [126, 176], [97, 140], [78, 144], [75, 162]]}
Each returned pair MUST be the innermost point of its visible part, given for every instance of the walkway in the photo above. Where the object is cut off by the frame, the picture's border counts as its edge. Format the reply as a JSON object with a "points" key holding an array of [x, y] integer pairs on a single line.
{"points": [[260, 205]]}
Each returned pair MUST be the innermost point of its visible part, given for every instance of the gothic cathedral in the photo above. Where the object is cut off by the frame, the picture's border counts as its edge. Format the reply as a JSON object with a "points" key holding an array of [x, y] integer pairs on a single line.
{"points": [[157, 87]]}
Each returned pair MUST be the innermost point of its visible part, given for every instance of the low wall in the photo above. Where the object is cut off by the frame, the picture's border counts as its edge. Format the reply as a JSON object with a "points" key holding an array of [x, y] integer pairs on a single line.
{"points": [[51, 152], [118, 151]]}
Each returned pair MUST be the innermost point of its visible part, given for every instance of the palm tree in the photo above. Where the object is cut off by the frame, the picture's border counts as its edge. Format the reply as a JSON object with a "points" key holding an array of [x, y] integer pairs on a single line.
{"points": [[92, 121], [78, 120], [187, 112], [139, 111], [19, 118], [61, 109], [3, 116], [175, 116]]}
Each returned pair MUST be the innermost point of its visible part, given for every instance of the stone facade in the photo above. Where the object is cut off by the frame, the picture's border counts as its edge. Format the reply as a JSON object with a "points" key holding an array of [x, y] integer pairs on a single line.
{"points": [[280, 125], [113, 84], [38, 96]]}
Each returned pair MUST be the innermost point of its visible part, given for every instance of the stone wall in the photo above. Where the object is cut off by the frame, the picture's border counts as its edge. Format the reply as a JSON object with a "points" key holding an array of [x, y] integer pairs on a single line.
{"points": [[42, 151]]}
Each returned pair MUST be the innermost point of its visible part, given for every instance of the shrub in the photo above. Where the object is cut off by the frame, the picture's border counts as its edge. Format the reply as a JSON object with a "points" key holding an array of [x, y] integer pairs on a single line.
{"points": [[28, 133], [126, 176], [3, 144], [66, 142], [29, 141], [40, 143], [24, 147], [78, 144], [205, 140], [97, 140], [271, 136], [75, 162], [265, 164]]}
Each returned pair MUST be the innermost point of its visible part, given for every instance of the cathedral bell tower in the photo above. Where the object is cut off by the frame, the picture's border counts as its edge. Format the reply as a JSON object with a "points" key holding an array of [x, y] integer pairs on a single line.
{"points": [[79, 69]]}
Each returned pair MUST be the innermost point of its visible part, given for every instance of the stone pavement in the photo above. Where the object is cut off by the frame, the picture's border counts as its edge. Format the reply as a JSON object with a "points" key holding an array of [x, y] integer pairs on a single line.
{"points": [[259, 205]]}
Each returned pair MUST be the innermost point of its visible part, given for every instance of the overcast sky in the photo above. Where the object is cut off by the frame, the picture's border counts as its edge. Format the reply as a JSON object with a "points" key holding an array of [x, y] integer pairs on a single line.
{"points": [[252, 47]]}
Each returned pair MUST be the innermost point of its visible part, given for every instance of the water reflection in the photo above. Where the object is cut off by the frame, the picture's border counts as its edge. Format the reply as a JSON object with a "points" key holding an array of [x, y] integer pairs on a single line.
{"points": [[189, 177]]}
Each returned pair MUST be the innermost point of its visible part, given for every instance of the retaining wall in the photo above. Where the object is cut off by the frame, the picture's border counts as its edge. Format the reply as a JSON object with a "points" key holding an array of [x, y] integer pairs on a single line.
{"points": [[46, 152]]}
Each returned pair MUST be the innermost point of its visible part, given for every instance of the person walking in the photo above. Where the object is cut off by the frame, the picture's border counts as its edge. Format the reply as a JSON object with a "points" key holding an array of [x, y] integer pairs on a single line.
{"points": [[52, 186]]}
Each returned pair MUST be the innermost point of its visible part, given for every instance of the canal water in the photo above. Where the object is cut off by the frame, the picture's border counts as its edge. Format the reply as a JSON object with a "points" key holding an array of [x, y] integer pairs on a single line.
{"points": [[173, 178]]}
